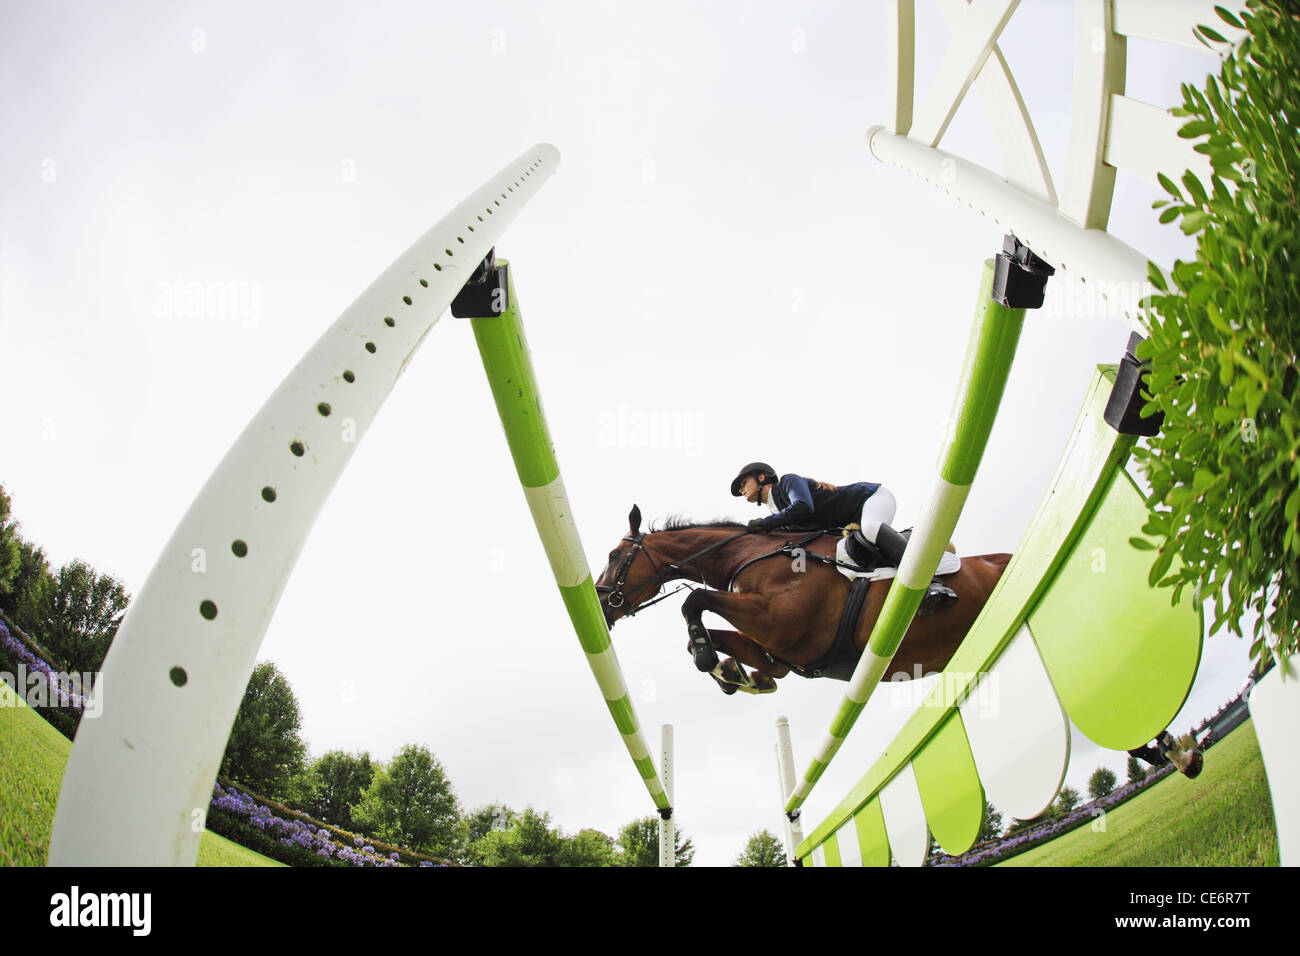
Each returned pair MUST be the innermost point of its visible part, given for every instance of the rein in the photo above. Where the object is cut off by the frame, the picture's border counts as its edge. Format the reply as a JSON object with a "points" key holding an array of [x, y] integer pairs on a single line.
{"points": [[617, 596]]}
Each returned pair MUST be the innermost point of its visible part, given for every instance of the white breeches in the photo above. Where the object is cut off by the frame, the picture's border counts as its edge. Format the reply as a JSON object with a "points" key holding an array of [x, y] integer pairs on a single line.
{"points": [[877, 510]]}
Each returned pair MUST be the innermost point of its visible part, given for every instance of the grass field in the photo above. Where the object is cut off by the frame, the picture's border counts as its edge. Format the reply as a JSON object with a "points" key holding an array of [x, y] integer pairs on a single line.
{"points": [[1222, 818], [34, 757]]}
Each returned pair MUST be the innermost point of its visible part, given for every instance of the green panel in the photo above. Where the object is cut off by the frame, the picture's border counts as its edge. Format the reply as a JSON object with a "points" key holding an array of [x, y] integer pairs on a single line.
{"points": [[509, 368], [950, 787], [1121, 659], [832, 850], [583, 605], [1092, 455], [870, 823]]}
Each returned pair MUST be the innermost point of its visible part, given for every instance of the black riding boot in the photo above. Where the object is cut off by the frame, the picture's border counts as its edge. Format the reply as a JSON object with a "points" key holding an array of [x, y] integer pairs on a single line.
{"points": [[892, 545]]}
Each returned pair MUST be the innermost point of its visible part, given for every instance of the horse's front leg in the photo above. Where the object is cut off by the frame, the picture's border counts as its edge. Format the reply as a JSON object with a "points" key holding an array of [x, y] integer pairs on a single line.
{"points": [[731, 674], [745, 612]]}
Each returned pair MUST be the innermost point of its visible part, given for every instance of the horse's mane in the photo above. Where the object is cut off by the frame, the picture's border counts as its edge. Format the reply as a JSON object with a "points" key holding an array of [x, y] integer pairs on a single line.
{"points": [[677, 522]]}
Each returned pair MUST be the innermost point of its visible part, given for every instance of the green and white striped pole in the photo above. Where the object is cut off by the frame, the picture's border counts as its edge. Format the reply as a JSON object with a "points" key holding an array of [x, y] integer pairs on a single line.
{"points": [[992, 348], [509, 368]]}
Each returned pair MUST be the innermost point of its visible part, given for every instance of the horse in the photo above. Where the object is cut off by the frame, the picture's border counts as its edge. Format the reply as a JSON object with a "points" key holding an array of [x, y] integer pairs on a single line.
{"points": [[782, 598]]}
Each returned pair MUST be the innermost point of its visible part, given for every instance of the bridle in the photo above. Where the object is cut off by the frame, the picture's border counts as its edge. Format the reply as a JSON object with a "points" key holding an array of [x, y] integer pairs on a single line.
{"points": [[617, 596]]}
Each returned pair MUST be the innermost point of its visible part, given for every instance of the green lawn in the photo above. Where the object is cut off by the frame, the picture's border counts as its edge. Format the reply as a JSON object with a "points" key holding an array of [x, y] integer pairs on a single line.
{"points": [[34, 757], [1222, 818]]}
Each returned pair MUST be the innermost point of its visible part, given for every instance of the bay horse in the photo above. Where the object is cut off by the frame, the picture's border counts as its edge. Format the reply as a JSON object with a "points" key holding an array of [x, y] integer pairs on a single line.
{"points": [[785, 607]]}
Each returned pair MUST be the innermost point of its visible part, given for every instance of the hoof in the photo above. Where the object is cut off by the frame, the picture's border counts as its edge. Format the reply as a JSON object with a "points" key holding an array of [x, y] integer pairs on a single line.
{"points": [[727, 689], [764, 684], [731, 672], [732, 676]]}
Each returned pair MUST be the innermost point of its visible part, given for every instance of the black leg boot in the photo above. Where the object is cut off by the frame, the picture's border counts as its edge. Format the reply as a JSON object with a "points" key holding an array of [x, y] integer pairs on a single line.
{"points": [[938, 596]]}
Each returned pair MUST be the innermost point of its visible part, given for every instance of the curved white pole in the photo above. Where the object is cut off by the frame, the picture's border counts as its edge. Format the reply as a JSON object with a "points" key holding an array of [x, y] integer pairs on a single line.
{"points": [[139, 780]]}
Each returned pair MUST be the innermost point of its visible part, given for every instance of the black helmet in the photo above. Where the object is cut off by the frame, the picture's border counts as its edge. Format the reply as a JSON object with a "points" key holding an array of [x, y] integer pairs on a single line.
{"points": [[753, 468]]}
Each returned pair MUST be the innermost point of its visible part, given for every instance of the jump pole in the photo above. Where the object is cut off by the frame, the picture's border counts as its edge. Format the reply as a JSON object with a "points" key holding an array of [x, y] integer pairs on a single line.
{"points": [[491, 304], [785, 778], [999, 316], [667, 826]]}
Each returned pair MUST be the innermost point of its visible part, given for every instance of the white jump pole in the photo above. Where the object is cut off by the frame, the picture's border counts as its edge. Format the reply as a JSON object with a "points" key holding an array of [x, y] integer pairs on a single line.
{"points": [[667, 827], [785, 776]]}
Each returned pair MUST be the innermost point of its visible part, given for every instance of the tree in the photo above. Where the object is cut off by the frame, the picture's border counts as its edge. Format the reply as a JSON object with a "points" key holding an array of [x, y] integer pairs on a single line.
{"points": [[1102, 782], [639, 841], [76, 614], [341, 779], [1137, 770], [265, 748], [10, 544], [411, 802], [763, 849], [991, 828], [529, 840], [489, 817], [588, 848], [1066, 801], [1225, 483], [30, 588]]}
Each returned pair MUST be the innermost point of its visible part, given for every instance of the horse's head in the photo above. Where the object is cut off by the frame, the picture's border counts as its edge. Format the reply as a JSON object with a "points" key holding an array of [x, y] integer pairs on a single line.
{"points": [[631, 576]]}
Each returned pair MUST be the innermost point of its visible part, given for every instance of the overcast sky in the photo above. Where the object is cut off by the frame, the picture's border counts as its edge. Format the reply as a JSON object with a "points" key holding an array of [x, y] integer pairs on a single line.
{"points": [[718, 273]]}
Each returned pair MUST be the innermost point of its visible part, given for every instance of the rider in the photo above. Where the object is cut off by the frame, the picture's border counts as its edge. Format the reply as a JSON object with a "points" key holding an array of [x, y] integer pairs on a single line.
{"points": [[796, 500]]}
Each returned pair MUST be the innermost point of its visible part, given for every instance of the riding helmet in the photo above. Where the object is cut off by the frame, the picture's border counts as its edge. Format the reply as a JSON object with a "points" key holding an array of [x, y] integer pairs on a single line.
{"points": [[753, 468]]}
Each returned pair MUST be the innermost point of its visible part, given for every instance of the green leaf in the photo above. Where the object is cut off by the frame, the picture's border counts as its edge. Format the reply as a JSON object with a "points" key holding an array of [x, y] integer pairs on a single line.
{"points": [[1172, 213], [1169, 186], [1212, 34], [1194, 221], [1228, 18], [1156, 277], [1142, 544], [1196, 128], [1194, 188]]}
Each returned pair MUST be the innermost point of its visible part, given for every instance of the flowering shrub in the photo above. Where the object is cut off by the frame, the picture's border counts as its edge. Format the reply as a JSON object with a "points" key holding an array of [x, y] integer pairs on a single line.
{"points": [[306, 842], [61, 709]]}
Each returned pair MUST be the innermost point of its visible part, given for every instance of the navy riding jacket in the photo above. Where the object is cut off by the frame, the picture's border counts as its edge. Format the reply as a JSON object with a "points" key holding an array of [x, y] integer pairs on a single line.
{"points": [[799, 503]]}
